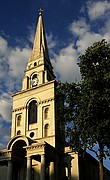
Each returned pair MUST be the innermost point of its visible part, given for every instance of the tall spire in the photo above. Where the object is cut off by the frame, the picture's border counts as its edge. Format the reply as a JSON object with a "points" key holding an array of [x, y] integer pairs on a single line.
{"points": [[40, 44]]}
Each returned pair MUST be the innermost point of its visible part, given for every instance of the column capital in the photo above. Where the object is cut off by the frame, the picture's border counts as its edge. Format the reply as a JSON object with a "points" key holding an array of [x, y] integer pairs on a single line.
{"points": [[29, 157]]}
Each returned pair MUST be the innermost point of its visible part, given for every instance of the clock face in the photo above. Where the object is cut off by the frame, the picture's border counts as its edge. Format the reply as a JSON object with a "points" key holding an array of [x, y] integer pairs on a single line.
{"points": [[34, 82]]}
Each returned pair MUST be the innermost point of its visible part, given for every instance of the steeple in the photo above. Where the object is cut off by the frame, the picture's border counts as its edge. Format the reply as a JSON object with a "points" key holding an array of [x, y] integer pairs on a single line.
{"points": [[39, 69], [40, 44]]}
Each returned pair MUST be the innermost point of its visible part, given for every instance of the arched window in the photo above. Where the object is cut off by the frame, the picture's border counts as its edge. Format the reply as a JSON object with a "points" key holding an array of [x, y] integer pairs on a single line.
{"points": [[46, 113], [19, 120], [46, 129], [27, 82], [32, 112], [34, 80], [35, 64], [19, 132], [34, 76]]}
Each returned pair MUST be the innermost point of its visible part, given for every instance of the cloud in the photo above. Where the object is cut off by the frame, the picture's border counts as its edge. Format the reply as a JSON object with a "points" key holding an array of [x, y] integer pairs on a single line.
{"points": [[2, 146], [65, 64], [84, 34], [31, 33], [79, 27], [5, 107], [3, 47], [4, 135], [87, 40], [17, 61], [98, 10], [51, 41], [12, 65], [87, 32]]}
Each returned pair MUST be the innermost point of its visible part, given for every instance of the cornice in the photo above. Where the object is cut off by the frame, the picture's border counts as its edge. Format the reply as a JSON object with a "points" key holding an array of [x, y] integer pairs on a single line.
{"points": [[5, 155], [35, 147], [31, 89], [46, 100], [18, 109]]}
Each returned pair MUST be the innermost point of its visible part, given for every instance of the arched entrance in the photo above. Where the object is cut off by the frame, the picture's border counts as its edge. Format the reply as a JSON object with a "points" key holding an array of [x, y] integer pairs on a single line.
{"points": [[19, 160]]}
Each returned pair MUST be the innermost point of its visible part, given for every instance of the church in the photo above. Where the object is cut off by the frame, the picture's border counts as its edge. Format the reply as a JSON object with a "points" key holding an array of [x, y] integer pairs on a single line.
{"points": [[36, 150]]}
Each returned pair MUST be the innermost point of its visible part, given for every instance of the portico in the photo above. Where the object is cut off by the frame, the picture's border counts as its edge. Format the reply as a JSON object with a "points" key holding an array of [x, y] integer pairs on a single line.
{"points": [[43, 154], [37, 161]]}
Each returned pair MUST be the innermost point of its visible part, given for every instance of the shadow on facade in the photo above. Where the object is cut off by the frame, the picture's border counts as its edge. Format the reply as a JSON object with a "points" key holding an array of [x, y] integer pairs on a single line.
{"points": [[19, 160]]}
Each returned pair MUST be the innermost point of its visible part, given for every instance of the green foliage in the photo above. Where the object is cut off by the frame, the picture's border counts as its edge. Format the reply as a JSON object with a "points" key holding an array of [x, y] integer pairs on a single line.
{"points": [[86, 110], [69, 94], [94, 108]]}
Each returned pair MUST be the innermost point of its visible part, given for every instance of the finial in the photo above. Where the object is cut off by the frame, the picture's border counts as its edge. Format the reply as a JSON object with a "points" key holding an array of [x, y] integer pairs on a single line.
{"points": [[40, 11]]}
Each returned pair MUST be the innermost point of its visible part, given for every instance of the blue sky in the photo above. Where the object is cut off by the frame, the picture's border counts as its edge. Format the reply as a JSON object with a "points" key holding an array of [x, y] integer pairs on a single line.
{"points": [[71, 26]]}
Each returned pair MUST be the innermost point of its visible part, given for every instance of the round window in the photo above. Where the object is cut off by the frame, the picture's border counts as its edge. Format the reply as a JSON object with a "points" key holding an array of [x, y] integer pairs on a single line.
{"points": [[32, 134]]}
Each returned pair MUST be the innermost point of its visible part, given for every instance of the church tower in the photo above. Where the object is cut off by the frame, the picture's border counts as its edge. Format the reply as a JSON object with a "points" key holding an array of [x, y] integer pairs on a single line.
{"points": [[33, 112], [36, 147]]}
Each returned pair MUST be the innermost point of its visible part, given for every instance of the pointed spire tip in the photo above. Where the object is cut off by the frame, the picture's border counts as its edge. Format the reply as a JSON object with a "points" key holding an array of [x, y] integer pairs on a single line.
{"points": [[40, 11]]}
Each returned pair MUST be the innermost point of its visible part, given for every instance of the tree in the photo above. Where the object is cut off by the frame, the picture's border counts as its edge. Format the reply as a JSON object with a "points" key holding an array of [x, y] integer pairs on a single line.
{"points": [[86, 110], [93, 112], [68, 94]]}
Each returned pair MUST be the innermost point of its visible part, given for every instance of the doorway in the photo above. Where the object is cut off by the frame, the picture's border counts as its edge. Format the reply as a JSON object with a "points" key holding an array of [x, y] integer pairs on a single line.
{"points": [[19, 160]]}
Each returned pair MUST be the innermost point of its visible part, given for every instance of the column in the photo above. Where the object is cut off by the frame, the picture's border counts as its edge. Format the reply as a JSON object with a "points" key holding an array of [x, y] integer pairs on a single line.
{"points": [[42, 173], [66, 171], [52, 171], [29, 168], [9, 172]]}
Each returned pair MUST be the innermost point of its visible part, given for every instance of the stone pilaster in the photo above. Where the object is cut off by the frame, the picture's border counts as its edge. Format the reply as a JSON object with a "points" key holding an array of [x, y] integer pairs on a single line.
{"points": [[42, 173], [29, 168], [52, 171]]}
